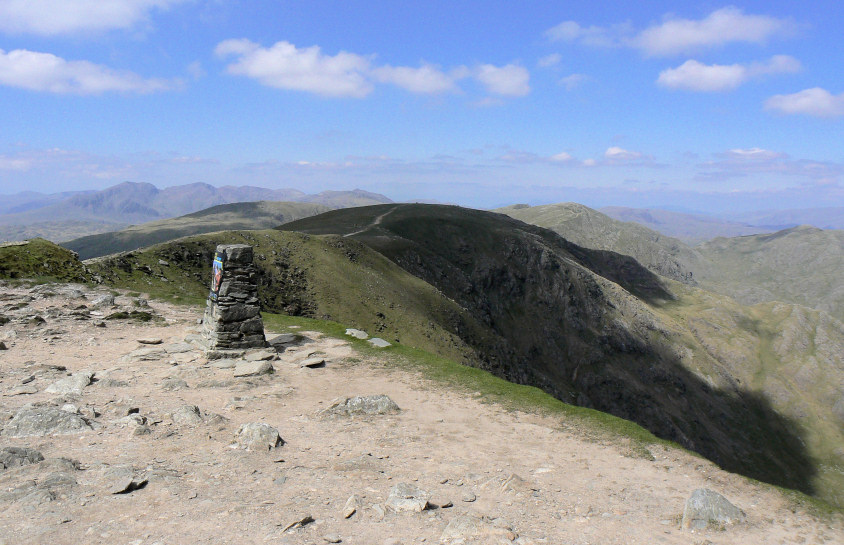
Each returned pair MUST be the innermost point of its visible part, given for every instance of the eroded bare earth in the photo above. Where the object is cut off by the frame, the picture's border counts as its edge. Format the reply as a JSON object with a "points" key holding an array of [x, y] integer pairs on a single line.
{"points": [[140, 465]]}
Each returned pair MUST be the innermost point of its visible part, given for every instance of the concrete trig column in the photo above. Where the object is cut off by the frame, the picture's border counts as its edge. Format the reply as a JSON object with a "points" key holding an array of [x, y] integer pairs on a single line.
{"points": [[232, 318]]}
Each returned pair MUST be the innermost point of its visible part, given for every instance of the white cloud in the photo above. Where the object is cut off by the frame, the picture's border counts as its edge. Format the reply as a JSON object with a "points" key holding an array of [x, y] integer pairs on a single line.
{"points": [[695, 76], [754, 154], [46, 72], [573, 81], [427, 79], [617, 154], [549, 60], [816, 102], [285, 66], [51, 17], [726, 25], [562, 157], [508, 80], [675, 36]]}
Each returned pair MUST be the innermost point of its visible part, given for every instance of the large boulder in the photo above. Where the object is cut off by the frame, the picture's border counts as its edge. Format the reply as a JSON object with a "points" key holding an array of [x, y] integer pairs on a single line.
{"points": [[258, 436], [45, 420], [706, 508], [360, 406]]}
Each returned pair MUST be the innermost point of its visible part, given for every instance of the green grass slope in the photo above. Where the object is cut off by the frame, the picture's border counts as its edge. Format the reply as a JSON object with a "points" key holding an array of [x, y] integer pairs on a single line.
{"points": [[40, 260], [802, 265], [328, 278], [244, 215]]}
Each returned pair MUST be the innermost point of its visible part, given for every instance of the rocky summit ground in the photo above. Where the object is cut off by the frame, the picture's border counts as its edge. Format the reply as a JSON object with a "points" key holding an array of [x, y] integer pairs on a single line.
{"points": [[119, 430]]}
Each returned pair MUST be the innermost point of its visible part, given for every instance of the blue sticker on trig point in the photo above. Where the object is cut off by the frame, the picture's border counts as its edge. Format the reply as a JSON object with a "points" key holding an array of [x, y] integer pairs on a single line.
{"points": [[216, 275]]}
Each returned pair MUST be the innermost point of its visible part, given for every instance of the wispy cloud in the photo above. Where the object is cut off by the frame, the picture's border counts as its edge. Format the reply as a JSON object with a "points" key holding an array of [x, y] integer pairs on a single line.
{"points": [[51, 17], [427, 79], [816, 102], [695, 76], [46, 72], [675, 36], [285, 66], [739, 163], [549, 60], [573, 81]]}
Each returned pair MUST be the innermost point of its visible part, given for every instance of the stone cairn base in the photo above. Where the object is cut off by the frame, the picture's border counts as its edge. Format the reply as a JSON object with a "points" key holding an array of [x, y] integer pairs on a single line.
{"points": [[232, 319]]}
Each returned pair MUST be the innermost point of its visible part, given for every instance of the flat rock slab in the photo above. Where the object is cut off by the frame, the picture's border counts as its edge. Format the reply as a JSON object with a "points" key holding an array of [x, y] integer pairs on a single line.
{"points": [[465, 529], [360, 406], [284, 338], [379, 343], [706, 508], [179, 348], [407, 498], [261, 355], [38, 421], [312, 363], [71, 385], [224, 364], [357, 334], [253, 368], [144, 354], [18, 456], [150, 340], [123, 480], [258, 436]]}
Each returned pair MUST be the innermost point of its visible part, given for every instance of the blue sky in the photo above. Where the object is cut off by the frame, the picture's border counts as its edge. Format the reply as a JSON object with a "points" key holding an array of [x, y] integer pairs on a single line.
{"points": [[698, 106]]}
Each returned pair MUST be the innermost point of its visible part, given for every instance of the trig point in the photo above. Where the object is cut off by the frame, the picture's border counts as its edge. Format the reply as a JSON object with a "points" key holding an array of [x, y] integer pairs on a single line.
{"points": [[232, 318]]}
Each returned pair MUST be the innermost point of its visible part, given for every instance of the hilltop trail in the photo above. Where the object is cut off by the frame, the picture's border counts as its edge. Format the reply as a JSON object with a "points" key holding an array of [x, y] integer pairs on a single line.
{"points": [[538, 479], [376, 221]]}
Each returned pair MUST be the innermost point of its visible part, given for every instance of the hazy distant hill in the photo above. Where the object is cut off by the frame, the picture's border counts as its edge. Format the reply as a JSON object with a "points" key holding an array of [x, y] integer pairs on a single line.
{"points": [[28, 200], [802, 265], [243, 215], [661, 254], [799, 265], [690, 228], [116, 207], [824, 218]]}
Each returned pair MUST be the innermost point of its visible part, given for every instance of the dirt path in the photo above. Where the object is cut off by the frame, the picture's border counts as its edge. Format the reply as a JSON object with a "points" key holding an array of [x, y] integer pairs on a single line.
{"points": [[376, 221], [534, 480]]}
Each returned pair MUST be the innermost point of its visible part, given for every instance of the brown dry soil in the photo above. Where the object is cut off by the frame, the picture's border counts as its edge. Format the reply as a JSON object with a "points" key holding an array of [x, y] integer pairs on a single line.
{"points": [[533, 478]]}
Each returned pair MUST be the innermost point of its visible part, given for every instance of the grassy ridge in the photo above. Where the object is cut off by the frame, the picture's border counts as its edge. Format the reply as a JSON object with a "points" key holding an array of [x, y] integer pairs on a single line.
{"points": [[248, 215]]}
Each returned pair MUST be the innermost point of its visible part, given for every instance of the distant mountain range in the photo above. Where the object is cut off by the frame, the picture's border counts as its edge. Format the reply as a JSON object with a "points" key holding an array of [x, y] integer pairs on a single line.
{"points": [[64, 216], [697, 228], [225, 217]]}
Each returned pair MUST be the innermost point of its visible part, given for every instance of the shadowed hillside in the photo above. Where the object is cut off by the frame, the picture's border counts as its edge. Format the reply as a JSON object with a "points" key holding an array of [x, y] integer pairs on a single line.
{"points": [[661, 254], [565, 324]]}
